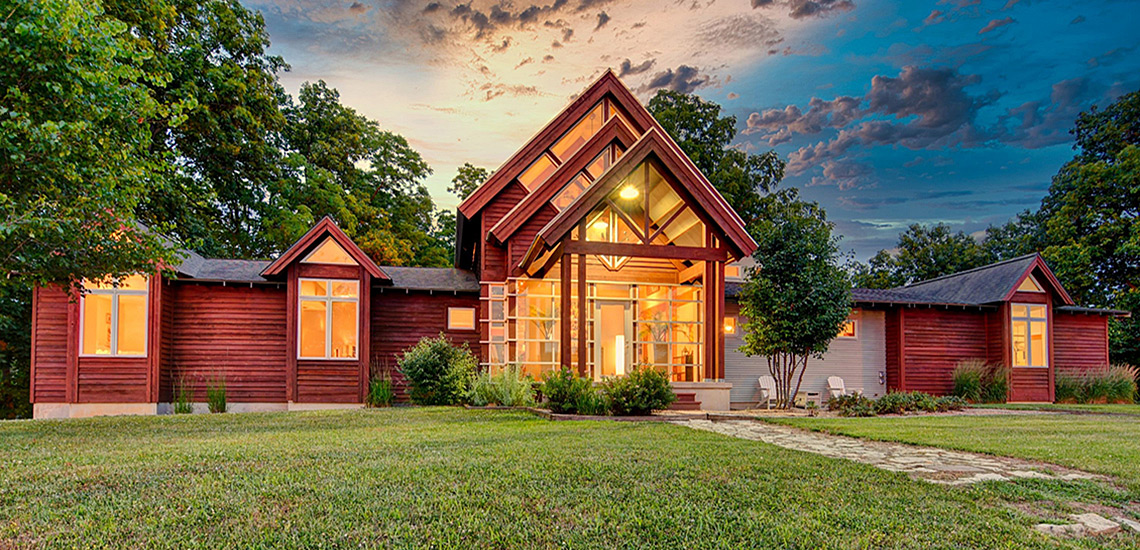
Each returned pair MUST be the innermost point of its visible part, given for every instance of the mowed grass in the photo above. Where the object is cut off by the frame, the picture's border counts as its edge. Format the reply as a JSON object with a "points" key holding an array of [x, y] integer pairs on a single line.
{"points": [[1096, 443], [1115, 408], [454, 478]]}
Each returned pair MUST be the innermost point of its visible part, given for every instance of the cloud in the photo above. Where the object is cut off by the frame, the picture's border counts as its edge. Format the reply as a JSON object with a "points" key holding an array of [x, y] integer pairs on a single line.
{"points": [[1110, 56], [603, 18], [1077, 20], [934, 18], [800, 9], [628, 68], [732, 95], [492, 90], [1039, 124], [780, 125], [996, 24], [1010, 4], [685, 79], [844, 174], [358, 8], [865, 204]]}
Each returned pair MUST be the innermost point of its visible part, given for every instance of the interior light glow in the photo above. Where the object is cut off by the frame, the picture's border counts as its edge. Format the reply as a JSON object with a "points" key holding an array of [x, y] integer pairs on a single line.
{"points": [[628, 192]]}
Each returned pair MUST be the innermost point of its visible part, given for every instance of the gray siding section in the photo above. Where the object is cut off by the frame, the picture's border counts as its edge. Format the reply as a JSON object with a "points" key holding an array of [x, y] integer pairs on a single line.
{"points": [[858, 361]]}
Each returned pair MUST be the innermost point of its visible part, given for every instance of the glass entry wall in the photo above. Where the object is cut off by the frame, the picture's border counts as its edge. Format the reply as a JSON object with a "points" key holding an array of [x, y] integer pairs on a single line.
{"points": [[627, 324]]}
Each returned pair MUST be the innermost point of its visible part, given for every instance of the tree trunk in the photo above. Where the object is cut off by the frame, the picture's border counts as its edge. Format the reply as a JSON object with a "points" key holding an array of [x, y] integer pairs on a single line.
{"points": [[788, 369]]}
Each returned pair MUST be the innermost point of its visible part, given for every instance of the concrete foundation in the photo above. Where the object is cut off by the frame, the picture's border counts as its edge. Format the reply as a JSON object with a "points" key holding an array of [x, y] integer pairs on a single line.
{"points": [[714, 396], [85, 410], [294, 406]]}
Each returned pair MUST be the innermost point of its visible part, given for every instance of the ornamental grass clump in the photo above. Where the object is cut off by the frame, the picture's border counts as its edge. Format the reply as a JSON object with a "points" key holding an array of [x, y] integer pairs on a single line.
{"points": [[381, 392], [1116, 384], [979, 382], [183, 394], [438, 373], [216, 394], [509, 388]]}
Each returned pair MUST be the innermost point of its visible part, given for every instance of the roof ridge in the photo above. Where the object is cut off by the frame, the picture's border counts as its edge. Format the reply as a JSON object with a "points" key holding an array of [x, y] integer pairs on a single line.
{"points": [[971, 270]]}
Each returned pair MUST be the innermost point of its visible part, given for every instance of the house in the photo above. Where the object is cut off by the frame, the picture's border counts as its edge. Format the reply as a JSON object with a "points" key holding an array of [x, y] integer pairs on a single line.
{"points": [[911, 338], [597, 246]]}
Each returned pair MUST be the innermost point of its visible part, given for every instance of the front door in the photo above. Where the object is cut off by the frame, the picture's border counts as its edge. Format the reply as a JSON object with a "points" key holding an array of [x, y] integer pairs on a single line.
{"points": [[613, 338]]}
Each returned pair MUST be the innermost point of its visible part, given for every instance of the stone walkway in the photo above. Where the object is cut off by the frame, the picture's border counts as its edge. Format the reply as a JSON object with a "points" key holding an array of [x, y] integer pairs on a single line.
{"points": [[926, 463]]}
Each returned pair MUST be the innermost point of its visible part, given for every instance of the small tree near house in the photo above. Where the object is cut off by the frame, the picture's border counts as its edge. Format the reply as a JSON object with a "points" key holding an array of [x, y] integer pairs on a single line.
{"points": [[797, 297]]}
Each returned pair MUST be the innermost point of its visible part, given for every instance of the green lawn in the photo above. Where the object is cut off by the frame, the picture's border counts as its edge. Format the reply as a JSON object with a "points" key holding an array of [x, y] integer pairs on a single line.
{"points": [[1105, 409], [1096, 443], [458, 478]]}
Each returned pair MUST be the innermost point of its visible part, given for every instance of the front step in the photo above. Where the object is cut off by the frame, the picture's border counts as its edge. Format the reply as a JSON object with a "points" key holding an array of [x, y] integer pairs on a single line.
{"points": [[686, 402]]}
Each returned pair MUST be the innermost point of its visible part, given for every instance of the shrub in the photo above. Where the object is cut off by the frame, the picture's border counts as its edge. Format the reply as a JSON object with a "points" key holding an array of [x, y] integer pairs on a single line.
{"points": [[437, 372], [894, 403], [183, 394], [846, 405], [638, 393], [509, 388], [949, 403], [1068, 388], [566, 393], [216, 394], [979, 382], [1115, 384], [1122, 384], [381, 393]]}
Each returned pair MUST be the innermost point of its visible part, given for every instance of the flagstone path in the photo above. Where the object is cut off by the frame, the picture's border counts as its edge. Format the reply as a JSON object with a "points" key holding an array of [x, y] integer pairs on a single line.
{"points": [[927, 463]]}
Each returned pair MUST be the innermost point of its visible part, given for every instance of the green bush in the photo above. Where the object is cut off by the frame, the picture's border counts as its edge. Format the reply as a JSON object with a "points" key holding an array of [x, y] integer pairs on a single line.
{"points": [[894, 403], [979, 382], [566, 393], [638, 393], [1115, 384], [849, 405], [949, 403], [509, 388], [437, 372], [381, 392], [216, 395], [183, 394]]}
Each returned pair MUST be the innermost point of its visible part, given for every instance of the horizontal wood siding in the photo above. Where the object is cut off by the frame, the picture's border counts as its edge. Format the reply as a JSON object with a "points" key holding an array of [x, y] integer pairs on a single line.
{"points": [[1029, 384], [112, 380], [401, 319], [327, 381], [495, 259], [858, 361], [1080, 342], [50, 352], [231, 331], [996, 340], [166, 343], [934, 342]]}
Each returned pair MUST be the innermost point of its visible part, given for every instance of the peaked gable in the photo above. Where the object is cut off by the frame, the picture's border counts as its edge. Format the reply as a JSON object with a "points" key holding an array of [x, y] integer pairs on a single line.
{"points": [[702, 196], [607, 85], [325, 228], [988, 284]]}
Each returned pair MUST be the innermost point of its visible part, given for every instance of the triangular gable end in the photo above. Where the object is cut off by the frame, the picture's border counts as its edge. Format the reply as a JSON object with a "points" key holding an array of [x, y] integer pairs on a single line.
{"points": [[329, 252], [1046, 280], [702, 196], [606, 85], [324, 229]]}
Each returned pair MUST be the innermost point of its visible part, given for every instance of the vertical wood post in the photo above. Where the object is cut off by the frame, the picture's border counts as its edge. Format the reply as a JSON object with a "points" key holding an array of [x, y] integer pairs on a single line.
{"points": [[709, 343], [154, 338], [292, 335], [564, 344], [581, 314], [35, 349], [72, 346], [720, 321], [364, 335]]}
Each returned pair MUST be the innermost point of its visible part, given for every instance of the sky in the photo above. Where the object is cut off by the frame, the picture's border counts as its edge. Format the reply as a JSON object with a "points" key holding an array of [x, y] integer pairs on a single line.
{"points": [[887, 113]]}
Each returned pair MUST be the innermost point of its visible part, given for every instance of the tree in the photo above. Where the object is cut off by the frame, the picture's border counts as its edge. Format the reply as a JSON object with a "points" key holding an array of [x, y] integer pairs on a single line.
{"points": [[923, 252], [467, 179], [705, 136], [797, 297], [218, 127]]}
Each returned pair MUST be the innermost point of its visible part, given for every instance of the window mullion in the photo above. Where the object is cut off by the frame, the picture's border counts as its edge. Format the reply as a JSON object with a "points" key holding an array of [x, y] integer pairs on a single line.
{"points": [[114, 323], [328, 324]]}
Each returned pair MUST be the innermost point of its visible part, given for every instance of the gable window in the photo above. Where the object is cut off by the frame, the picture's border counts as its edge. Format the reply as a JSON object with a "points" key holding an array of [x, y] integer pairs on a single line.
{"points": [[570, 143], [328, 319], [1030, 329], [329, 252], [461, 318], [113, 318], [1029, 285], [848, 330]]}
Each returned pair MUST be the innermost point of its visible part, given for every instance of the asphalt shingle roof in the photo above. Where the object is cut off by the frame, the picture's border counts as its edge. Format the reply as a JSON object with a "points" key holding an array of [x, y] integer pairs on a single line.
{"points": [[444, 279]]}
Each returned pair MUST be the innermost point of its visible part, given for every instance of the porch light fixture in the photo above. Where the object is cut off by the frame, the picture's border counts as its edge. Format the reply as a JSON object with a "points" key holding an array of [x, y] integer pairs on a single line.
{"points": [[601, 225], [629, 192]]}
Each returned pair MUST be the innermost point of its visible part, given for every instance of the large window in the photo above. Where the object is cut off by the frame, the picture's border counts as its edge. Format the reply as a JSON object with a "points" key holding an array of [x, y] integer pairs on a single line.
{"points": [[329, 316], [113, 318], [1030, 330]]}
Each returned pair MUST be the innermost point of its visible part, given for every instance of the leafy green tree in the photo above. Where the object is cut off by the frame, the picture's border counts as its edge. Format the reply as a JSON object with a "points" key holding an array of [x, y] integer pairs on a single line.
{"points": [[219, 121], [797, 297], [706, 137], [923, 252], [467, 179]]}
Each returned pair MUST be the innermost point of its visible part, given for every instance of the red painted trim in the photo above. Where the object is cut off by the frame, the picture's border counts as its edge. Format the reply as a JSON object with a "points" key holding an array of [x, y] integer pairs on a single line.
{"points": [[720, 320], [902, 349], [154, 339], [1039, 262], [364, 338], [581, 312], [567, 316], [646, 251], [291, 334], [324, 227], [612, 132]]}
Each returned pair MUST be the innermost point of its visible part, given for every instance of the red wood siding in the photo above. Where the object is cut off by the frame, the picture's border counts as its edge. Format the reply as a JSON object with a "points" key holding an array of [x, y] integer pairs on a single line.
{"points": [[935, 341], [112, 380], [49, 353], [520, 242], [996, 336], [400, 320], [238, 332], [1029, 384], [495, 263], [893, 343], [1080, 342], [328, 381]]}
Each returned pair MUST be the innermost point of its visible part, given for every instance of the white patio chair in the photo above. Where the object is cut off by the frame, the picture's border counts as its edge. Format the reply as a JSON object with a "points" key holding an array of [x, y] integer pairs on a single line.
{"points": [[767, 390], [835, 386]]}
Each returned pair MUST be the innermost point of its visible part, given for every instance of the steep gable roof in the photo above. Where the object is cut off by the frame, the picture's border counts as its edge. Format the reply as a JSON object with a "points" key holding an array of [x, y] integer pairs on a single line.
{"points": [[989, 284], [656, 145], [325, 227]]}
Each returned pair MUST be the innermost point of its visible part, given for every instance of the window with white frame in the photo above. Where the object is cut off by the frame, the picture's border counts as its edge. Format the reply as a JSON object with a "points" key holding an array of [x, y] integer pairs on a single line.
{"points": [[1030, 335], [461, 318], [848, 329], [113, 318], [328, 319]]}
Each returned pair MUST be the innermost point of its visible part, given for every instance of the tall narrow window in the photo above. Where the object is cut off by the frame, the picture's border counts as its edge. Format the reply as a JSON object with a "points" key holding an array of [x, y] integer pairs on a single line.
{"points": [[1030, 329], [328, 320], [113, 320]]}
